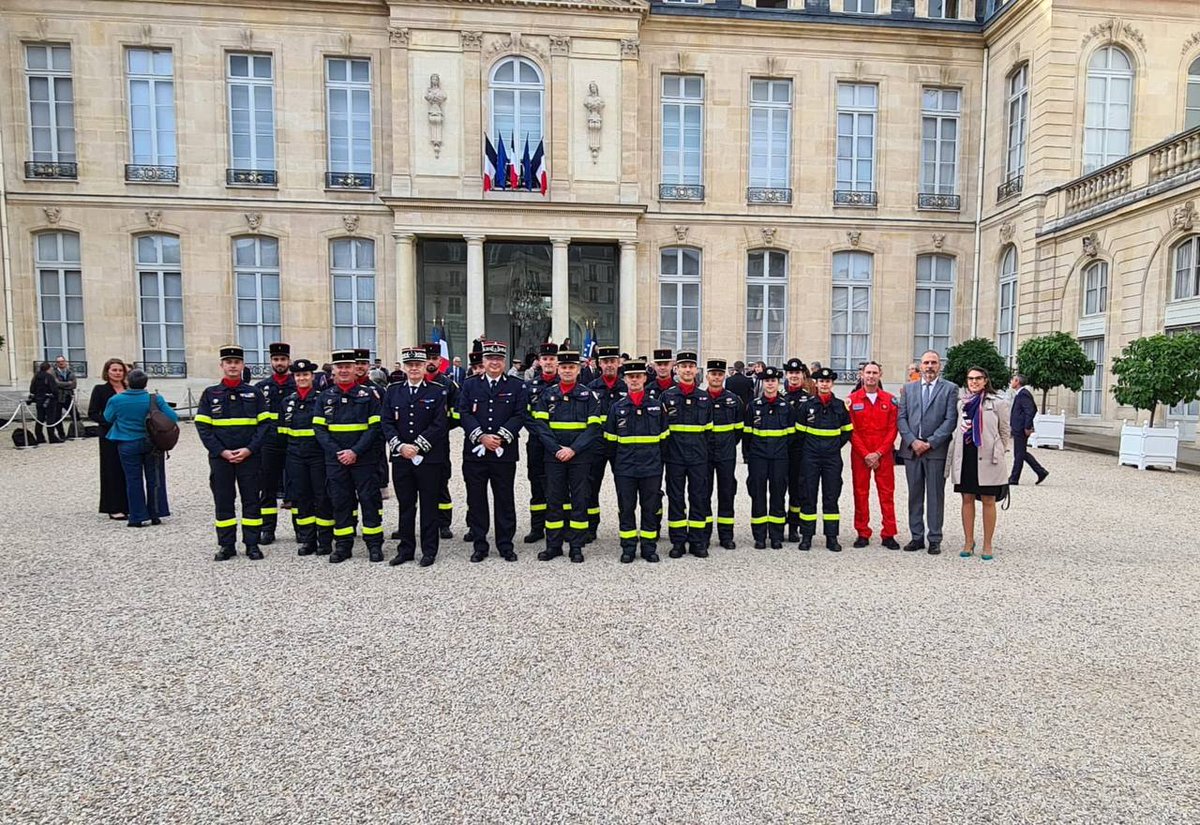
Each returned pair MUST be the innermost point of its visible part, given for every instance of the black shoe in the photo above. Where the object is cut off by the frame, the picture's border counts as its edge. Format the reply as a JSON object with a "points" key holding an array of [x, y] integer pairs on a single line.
{"points": [[266, 537], [375, 554], [323, 551], [549, 555], [395, 535], [468, 537], [1042, 478], [627, 557], [588, 538], [806, 542], [400, 558], [699, 551], [478, 556], [306, 550], [729, 544], [446, 533], [1012, 483], [225, 554], [156, 521], [650, 556], [776, 545], [891, 543], [576, 555], [508, 555], [760, 545], [427, 560], [135, 524], [861, 542], [793, 535], [935, 547], [254, 554], [676, 551], [914, 545], [831, 544], [534, 536], [339, 556]]}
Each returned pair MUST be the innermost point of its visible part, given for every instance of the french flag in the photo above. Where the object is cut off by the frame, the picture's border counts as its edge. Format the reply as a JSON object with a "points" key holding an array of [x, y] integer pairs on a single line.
{"points": [[489, 164], [514, 176], [538, 164], [502, 165]]}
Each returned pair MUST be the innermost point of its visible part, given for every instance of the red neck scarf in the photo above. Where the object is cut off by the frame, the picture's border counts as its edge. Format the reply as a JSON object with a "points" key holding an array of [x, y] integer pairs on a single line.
{"points": [[303, 392], [664, 383], [825, 397], [636, 397], [280, 379], [715, 394], [609, 382], [232, 383], [346, 387], [686, 389], [566, 388]]}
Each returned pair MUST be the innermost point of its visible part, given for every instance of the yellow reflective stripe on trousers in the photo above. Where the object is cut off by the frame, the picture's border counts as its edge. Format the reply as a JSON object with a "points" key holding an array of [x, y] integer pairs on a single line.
{"points": [[343, 531], [777, 519], [690, 428], [349, 428], [568, 425], [226, 522], [307, 520], [554, 525], [370, 531], [724, 520], [627, 534], [593, 511], [648, 534], [699, 525], [808, 516], [578, 525], [536, 508], [683, 523], [325, 522], [252, 522], [445, 505], [724, 428], [269, 511], [831, 516], [759, 520]]}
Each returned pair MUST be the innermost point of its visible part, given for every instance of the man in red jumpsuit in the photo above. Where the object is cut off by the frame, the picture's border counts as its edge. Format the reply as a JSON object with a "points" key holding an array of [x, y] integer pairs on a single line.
{"points": [[873, 414]]}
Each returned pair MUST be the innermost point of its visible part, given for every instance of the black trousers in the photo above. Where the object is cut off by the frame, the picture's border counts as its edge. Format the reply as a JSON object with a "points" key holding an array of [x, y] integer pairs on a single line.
{"points": [[417, 487], [768, 483], [689, 504], [312, 511], [795, 487], [228, 483], [444, 504], [357, 484], [270, 477], [824, 472], [536, 473], [566, 492], [721, 475], [630, 493], [595, 482], [501, 475], [1021, 457], [47, 410]]}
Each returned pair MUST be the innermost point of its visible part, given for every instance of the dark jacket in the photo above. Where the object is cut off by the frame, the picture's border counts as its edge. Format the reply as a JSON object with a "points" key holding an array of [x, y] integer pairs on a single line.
{"points": [[230, 418], [347, 420], [559, 420], [638, 435], [64, 383], [740, 385], [607, 399], [418, 419], [482, 411], [769, 429], [43, 388], [729, 417], [796, 399], [823, 428], [1024, 408], [96, 403], [296, 424], [534, 387], [275, 394], [690, 420]]}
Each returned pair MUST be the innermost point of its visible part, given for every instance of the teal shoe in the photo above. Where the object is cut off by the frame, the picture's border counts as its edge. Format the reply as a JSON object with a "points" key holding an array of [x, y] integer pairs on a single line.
{"points": [[986, 557], [966, 554]]}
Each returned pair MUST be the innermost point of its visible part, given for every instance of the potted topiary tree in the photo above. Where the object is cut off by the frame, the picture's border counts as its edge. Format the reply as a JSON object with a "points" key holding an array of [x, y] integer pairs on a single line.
{"points": [[1158, 369], [1049, 361], [976, 352]]}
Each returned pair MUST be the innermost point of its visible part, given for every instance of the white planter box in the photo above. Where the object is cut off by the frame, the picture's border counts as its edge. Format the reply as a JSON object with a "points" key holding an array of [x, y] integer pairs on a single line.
{"points": [[1049, 431], [1144, 447]]}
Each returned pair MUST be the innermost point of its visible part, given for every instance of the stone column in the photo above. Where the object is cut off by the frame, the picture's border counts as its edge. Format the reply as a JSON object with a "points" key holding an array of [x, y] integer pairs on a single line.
{"points": [[560, 290], [476, 317], [407, 330], [401, 182], [627, 298]]}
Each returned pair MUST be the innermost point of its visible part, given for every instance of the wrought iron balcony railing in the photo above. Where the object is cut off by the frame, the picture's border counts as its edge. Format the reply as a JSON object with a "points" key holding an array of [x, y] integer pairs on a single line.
{"points": [[766, 194], [251, 177], [853, 197], [1010, 188], [680, 192], [51, 170], [349, 180], [142, 173], [939, 203], [164, 369]]}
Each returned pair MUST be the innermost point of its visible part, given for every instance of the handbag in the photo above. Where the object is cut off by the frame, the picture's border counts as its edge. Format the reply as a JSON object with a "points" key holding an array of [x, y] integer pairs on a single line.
{"points": [[160, 429]]}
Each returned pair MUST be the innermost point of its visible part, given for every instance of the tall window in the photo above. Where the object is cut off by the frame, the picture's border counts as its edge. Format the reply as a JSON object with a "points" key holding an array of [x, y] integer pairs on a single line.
{"points": [[160, 285], [939, 141], [1187, 410], [1095, 289], [1006, 322], [935, 302], [679, 298], [1018, 116], [682, 129], [859, 6], [517, 91], [1187, 269], [1091, 397], [60, 295], [857, 103], [152, 107], [256, 271], [51, 104], [850, 324], [770, 133], [1191, 114], [353, 274], [1109, 107], [251, 82], [943, 9], [766, 306], [348, 104]]}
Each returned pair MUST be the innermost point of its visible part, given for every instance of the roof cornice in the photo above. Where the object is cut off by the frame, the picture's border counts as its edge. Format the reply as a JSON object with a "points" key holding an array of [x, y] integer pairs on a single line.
{"points": [[635, 7]]}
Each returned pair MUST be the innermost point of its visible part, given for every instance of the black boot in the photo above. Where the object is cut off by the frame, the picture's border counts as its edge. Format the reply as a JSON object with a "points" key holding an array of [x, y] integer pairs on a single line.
{"points": [[253, 553], [677, 551], [806, 542], [306, 549], [548, 554], [478, 556], [446, 533], [577, 555], [831, 544], [401, 557], [728, 544], [340, 555], [266, 537], [699, 551], [627, 556], [375, 553], [793, 535], [534, 536], [324, 549], [225, 554], [650, 555]]}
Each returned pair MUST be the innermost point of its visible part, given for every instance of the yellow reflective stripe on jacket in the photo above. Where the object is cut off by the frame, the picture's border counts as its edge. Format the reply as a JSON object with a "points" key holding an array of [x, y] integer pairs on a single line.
{"points": [[568, 425], [847, 428], [540, 414], [300, 433], [374, 419], [724, 428], [818, 431], [319, 419], [264, 416], [348, 428], [639, 439], [231, 422], [611, 437], [595, 419], [691, 428], [770, 433], [202, 419]]}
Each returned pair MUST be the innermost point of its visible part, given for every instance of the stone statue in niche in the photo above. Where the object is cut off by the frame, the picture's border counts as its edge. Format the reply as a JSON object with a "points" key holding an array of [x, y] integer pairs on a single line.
{"points": [[435, 96], [595, 118]]}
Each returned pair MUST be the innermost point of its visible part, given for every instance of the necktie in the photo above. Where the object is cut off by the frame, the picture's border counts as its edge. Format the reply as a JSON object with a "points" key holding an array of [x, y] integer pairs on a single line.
{"points": [[924, 404]]}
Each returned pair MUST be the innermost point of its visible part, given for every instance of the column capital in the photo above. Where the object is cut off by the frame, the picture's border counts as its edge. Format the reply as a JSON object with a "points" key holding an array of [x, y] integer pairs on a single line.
{"points": [[628, 244], [403, 237], [474, 239], [560, 241]]}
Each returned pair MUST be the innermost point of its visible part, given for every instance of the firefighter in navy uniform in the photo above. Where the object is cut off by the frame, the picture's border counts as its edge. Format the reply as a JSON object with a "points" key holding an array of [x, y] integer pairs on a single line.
{"points": [[362, 376], [492, 409], [312, 512], [729, 417], [275, 388], [536, 470], [347, 428], [765, 437], [434, 375], [636, 427], [609, 389], [566, 418], [232, 422], [795, 391], [689, 498], [662, 380], [824, 428], [414, 427]]}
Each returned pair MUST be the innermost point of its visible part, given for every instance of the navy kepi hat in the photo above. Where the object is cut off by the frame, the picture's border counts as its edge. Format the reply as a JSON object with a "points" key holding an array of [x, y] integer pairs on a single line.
{"points": [[608, 352], [362, 355], [342, 356], [662, 355], [303, 365], [568, 356], [548, 348], [825, 374], [717, 364], [233, 351], [685, 357], [280, 348], [494, 348], [411, 354], [634, 367]]}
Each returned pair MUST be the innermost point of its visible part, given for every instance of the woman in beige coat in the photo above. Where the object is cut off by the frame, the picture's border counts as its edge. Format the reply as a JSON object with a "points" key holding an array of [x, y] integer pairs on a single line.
{"points": [[978, 460]]}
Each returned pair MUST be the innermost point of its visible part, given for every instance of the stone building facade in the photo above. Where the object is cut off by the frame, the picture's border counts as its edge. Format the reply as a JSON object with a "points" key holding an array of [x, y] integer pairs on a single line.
{"points": [[834, 179]]}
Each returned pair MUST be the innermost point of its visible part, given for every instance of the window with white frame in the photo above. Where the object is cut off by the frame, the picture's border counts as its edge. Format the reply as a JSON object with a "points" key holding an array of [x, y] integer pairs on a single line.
{"points": [[1018, 116], [1187, 269], [939, 140], [943, 9], [682, 129], [1091, 397], [1109, 108], [935, 304], [51, 103], [353, 273], [850, 321], [859, 6], [770, 133], [1191, 110], [1095, 288], [151, 107], [348, 109], [60, 295], [256, 277], [766, 305], [679, 298], [857, 106], [517, 95], [1006, 321], [1185, 410], [251, 82], [160, 290]]}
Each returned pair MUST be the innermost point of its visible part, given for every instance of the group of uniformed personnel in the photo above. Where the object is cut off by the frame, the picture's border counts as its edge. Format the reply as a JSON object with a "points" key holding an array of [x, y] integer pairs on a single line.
{"points": [[330, 441]]}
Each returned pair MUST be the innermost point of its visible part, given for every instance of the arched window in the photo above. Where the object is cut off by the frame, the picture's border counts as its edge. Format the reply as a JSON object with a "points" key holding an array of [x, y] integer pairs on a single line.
{"points": [[1095, 288], [60, 296], [160, 289], [1006, 321], [679, 298], [1109, 108], [353, 273], [1191, 114], [1187, 269], [850, 323], [935, 304], [256, 271], [766, 305], [517, 92]]}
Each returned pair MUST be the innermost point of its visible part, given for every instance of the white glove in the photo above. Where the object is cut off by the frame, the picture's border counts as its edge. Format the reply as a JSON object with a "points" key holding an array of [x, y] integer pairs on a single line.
{"points": [[480, 450]]}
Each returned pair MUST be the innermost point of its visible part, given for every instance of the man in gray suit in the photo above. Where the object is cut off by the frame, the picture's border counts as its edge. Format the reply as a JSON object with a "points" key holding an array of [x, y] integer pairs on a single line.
{"points": [[927, 422]]}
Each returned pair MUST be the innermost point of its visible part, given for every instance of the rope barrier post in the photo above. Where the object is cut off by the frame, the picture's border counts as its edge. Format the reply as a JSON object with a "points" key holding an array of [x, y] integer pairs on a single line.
{"points": [[76, 424], [191, 405], [30, 441]]}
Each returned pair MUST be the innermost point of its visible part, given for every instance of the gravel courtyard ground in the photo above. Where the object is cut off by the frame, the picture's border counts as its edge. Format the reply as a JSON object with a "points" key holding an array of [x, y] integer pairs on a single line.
{"points": [[1058, 683]]}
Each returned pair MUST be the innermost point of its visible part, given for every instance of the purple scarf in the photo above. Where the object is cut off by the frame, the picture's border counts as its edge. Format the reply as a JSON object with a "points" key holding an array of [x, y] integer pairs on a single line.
{"points": [[973, 411]]}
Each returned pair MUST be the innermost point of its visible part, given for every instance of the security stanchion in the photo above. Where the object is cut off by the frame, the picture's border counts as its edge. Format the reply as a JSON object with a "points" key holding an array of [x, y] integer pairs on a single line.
{"points": [[29, 440], [76, 423]]}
